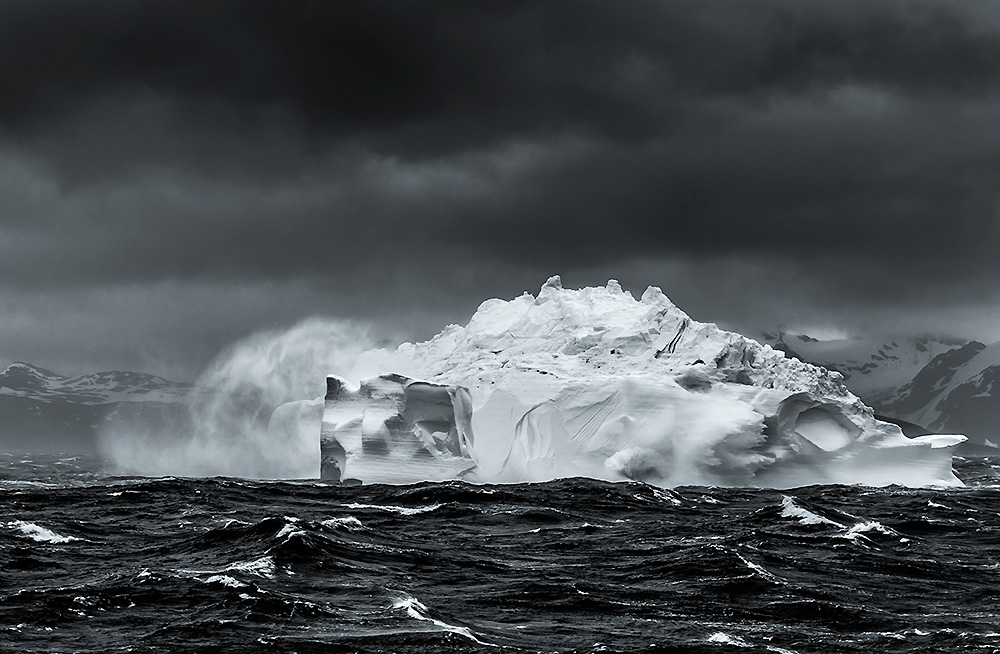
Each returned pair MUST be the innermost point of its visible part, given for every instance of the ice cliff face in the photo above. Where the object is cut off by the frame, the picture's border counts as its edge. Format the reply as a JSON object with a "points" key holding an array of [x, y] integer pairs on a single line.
{"points": [[594, 382]]}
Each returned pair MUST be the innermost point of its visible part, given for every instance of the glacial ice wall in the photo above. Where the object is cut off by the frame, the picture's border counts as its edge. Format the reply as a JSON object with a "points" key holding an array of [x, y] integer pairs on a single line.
{"points": [[593, 382]]}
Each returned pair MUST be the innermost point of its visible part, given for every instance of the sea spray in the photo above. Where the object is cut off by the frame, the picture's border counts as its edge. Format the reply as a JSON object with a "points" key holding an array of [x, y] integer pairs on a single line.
{"points": [[254, 412]]}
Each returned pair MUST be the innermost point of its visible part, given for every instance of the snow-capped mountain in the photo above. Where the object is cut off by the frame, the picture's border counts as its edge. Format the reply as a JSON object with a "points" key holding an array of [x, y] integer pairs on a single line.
{"points": [[25, 380], [958, 392], [43, 411]]}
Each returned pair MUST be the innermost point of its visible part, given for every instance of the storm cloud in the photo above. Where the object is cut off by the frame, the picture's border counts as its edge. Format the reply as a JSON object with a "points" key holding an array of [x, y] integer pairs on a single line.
{"points": [[808, 163]]}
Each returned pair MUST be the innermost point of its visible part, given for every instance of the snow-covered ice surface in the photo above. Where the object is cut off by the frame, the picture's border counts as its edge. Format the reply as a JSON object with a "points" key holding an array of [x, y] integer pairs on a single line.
{"points": [[593, 382]]}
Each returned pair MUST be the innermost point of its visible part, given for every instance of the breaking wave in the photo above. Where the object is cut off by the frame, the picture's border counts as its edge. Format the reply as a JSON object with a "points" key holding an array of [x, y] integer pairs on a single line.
{"points": [[418, 610], [39, 533]]}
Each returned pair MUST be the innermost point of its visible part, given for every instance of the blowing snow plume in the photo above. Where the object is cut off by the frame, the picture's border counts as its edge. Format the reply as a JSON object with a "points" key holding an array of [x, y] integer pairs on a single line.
{"points": [[254, 412]]}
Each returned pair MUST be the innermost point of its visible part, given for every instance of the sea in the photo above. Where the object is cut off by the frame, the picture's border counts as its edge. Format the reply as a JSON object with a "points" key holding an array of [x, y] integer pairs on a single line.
{"points": [[92, 561]]}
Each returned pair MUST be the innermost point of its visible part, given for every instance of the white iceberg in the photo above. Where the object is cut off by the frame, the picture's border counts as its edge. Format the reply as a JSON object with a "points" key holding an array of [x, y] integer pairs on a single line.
{"points": [[595, 383]]}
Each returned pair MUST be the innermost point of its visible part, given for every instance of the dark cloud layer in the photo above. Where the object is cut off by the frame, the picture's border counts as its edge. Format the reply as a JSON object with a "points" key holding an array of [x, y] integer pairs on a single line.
{"points": [[495, 68], [846, 151]]}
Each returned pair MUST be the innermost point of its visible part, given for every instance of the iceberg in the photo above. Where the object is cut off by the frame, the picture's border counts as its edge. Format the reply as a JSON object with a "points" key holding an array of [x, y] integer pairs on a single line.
{"points": [[592, 382]]}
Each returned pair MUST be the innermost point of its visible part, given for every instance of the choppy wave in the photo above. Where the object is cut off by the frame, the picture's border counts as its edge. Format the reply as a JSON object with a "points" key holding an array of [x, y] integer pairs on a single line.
{"points": [[96, 563], [790, 509]]}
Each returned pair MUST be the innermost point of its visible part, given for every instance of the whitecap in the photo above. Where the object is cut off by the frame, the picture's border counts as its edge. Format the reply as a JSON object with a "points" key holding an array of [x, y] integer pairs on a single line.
{"points": [[779, 650], [860, 530], [401, 510], [720, 638], [225, 580], [789, 509], [759, 569], [347, 522], [234, 521], [262, 567], [288, 529], [39, 533], [418, 611], [666, 496]]}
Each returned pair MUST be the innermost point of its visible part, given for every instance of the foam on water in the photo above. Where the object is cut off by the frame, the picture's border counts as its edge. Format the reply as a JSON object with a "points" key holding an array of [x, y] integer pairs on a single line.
{"points": [[39, 533], [225, 580], [401, 510], [720, 638], [759, 569], [789, 509], [418, 611], [861, 530], [346, 522], [263, 567]]}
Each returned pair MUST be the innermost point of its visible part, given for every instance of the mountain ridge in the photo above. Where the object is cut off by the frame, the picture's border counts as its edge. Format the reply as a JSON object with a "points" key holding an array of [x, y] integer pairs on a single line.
{"points": [[28, 380], [41, 410]]}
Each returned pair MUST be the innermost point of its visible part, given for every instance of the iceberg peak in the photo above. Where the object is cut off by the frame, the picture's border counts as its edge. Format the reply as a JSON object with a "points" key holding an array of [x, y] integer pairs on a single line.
{"points": [[653, 295]]}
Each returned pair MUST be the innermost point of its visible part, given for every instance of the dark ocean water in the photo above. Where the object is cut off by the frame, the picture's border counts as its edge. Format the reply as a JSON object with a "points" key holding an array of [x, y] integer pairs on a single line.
{"points": [[91, 562]]}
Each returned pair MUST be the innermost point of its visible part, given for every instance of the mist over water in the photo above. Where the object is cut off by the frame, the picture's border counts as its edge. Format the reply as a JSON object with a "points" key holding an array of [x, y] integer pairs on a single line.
{"points": [[254, 412]]}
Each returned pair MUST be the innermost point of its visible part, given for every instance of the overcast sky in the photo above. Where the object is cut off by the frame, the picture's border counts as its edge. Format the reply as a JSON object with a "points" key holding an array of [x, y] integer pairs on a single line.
{"points": [[175, 175]]}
